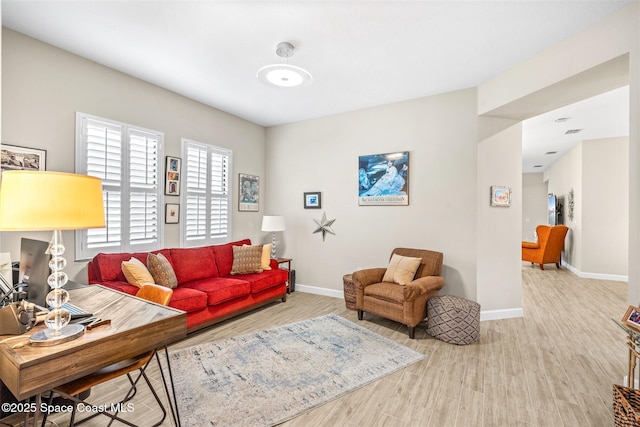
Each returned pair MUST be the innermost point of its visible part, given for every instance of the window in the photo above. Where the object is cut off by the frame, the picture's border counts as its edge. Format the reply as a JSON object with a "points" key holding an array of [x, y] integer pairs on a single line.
{"points": [[205, 194], [127, 159]]}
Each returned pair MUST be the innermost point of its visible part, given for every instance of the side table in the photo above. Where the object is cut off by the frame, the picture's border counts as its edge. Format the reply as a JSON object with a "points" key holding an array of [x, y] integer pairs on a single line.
{"points": [[291, 287]]}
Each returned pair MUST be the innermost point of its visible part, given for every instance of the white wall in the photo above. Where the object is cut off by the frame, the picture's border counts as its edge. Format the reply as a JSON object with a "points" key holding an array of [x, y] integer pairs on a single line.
{"points": [[322, 155], [43, 87], [555, 77], [597, 244], [534, 204], [500, 228]]}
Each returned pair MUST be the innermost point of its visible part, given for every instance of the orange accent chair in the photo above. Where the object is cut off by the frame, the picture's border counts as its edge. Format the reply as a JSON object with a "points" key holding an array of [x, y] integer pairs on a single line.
{"points": [[548, 248]]}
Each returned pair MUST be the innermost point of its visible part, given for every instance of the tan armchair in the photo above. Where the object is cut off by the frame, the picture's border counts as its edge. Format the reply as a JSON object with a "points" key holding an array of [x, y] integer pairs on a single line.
{"points": [[548, 248], [406, 304]]}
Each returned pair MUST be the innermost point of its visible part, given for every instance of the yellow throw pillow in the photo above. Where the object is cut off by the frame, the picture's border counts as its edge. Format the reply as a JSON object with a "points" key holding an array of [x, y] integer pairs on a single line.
{"points": [[402, 269], [247, 259], [136, 272], [266, 257]]}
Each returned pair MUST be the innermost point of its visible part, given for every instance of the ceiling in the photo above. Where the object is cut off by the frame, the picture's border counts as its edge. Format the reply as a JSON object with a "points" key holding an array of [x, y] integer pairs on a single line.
{"points": [[360, 53]]}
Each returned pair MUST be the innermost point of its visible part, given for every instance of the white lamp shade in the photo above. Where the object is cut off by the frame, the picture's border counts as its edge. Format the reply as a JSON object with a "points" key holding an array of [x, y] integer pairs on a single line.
{"points": [[38, 200], [273, 223]]}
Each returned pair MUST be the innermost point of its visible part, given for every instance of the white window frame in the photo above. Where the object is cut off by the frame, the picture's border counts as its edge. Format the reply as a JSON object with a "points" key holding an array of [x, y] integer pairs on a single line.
{"points": [[206, 238], [125, 187]]}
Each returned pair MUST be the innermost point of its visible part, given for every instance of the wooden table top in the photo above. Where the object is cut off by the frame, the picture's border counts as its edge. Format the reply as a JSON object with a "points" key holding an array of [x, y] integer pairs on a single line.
{"points": [[136, 326]]}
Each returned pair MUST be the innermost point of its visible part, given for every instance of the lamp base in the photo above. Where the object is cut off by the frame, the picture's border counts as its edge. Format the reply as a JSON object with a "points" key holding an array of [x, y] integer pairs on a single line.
{"points": [[45, 337]]}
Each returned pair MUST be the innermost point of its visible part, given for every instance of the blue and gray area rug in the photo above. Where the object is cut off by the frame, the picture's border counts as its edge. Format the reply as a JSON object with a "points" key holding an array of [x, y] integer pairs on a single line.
{"points": [[268, 377]]}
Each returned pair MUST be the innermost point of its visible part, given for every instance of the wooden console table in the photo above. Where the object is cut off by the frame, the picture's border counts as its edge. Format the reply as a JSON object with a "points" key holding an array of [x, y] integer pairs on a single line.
{"points": [[137, 326]]}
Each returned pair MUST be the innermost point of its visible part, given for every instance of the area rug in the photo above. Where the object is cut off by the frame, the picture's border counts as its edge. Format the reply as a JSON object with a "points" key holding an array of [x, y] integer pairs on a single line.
{"points": [[268, 377]]}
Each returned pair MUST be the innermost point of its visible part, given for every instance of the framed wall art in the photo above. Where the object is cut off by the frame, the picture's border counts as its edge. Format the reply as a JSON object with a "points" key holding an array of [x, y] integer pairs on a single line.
{"points": [[500, 196], [172, 184], [383, 179], [172, 213], [13, 157], [249, 193], [313, 200]]}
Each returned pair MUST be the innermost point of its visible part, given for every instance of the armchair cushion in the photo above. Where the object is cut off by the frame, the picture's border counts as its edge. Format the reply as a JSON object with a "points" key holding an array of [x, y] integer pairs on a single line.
{"points": [[402, 269]]}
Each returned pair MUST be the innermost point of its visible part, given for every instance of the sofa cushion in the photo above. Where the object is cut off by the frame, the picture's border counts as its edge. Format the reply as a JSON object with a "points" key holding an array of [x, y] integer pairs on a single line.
{"points": [[265, 280], [220, 289], [224, 255], [402, 269], [247, 259], [193, 263], [266, 257], [136, 272], [108, 267], [162, 271], [188, 300]]}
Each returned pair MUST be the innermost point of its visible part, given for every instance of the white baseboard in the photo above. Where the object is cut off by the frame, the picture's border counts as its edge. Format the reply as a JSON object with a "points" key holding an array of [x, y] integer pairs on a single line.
{"points": [[508, 313], [320, 291], [484, 315], [599, 276]]}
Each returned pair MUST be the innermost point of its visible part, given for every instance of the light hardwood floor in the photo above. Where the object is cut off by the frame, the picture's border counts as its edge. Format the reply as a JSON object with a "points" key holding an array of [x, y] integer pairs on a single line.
{"points": [[553, 367]]}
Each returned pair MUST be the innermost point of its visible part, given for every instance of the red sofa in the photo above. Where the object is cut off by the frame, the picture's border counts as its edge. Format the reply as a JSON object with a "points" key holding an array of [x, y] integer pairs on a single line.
{"points": [[206, 289]]}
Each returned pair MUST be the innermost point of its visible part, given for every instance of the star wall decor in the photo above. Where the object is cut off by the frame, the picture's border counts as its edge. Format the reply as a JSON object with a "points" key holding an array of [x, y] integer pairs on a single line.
{"points": [[324, 226]]}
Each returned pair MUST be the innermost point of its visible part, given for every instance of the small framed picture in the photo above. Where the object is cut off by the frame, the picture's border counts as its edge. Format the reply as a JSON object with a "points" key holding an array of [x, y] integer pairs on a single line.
{"points": [[632, 318], [172, 213], [500, 196], [13, 157], [249, 189], [172, 185], [313, 200]]}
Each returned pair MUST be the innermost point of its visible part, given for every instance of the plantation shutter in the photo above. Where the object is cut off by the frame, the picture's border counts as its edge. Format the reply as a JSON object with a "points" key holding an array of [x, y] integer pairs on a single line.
{"points": [[127, 161], [206, 197]]}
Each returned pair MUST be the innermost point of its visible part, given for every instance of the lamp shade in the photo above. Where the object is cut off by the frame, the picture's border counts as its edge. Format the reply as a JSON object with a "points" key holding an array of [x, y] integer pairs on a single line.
{"points": [[273, 223], [38, 200]]}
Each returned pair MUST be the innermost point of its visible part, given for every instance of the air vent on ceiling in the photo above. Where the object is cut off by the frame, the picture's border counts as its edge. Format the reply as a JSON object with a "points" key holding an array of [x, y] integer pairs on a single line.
{"points": [[572, 131], [537, 166], [562, 119], [550, 152]]}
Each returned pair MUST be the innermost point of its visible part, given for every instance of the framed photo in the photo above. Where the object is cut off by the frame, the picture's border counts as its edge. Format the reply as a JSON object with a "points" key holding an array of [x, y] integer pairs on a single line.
{"points": [[249, 193], [172, 184], [383, 179], [500, 196], [172, 213], [13, 157], [313, 200], [632, 318]]}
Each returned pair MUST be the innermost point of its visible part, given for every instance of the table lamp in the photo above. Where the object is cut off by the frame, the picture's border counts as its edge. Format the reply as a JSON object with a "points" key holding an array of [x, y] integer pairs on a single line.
{"points": [[37, 201], [273, 224]]}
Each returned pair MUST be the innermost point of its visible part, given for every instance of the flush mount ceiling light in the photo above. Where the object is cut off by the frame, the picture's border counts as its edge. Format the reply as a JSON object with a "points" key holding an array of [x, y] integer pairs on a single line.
{"points": [[284, 75]]}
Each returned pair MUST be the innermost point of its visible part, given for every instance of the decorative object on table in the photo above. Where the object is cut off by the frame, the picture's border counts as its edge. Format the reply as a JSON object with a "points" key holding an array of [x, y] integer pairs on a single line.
{"points": [[268, 377], [632, 317], [273, 223], [13, 157], [324, 226], [172, 213], [172, 184], [383, 179], [500, 196], [249, 196], [349, 290], [37, 201], [283, 74], [570, 204], [454, 320], [313, 200], [626, 406]]}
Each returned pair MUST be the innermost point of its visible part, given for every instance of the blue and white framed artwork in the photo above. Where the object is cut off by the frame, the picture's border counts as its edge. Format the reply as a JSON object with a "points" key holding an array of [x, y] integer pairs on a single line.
{"points": [[383, 179]]}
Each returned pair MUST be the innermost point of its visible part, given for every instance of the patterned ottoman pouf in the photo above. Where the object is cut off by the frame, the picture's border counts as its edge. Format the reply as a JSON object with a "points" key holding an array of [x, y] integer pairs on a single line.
{"points": [[454, 320]]}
